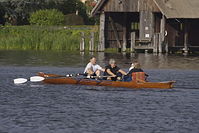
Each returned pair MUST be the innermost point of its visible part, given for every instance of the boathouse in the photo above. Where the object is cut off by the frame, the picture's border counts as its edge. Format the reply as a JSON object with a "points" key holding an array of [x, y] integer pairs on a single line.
{"points": [[156, 25]]}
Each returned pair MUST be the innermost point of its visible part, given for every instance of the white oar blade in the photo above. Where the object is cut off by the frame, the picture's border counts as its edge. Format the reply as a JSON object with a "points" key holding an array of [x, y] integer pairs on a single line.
{"points": [[36, 79], [20, 81]]}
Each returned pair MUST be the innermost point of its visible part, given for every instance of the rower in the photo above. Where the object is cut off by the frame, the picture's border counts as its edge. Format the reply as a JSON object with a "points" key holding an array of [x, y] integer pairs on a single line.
{"points": [[92, 68], [136, 73], [113, 71]]}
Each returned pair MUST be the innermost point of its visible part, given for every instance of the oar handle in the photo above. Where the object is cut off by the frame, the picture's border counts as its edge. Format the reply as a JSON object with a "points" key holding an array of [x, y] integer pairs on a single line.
{"points": [[100, 76], [74, 75]]}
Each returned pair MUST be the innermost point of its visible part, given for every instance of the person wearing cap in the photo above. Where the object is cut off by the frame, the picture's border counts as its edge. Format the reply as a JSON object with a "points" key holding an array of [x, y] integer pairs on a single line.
{"points": [[135, 68], [132, 67], [113, 71]]}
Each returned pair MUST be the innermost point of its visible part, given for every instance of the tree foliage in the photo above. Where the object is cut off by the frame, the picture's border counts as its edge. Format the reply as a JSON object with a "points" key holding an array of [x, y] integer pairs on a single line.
{"points": [[47, 17], [2, 13], [17, 12]]}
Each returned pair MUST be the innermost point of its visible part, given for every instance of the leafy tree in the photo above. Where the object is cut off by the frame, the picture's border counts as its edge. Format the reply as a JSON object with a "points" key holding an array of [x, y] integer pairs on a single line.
{"points": [[17, 12], [47, 17], [2, 13]]}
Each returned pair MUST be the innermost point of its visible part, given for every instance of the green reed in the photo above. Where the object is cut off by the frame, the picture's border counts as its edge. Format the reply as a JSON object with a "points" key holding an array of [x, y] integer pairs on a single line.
{"points": [[43, 37]]}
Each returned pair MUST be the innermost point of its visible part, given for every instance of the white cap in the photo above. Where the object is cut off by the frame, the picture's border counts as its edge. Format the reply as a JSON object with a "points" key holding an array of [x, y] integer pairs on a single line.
{"points": [[132, 66]]}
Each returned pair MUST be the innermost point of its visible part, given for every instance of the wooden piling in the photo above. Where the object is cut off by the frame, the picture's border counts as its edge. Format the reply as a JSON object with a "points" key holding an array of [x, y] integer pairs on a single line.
{"points": [[162, 33], [82, 42], [185, 37], [132, 42], [101, 45], [124, 33], [92, 42], [155, 43], [159, 43], [167, 48], [166, 42], [185, 42]]}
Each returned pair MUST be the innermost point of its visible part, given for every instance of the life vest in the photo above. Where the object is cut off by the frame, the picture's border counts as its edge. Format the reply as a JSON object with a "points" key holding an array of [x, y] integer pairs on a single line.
{"points": [[138, 77]]}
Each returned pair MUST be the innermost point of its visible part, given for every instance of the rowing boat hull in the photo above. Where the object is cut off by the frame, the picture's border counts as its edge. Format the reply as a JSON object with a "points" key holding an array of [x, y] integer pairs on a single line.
{"points": [[57, 79]]}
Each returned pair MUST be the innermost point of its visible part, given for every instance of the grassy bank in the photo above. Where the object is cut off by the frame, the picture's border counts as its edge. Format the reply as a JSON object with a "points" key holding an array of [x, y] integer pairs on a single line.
{"points": [[43, 37]]}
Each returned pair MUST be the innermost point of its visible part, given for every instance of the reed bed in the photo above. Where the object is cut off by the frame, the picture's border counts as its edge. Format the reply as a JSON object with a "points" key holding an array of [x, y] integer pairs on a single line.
{"points": [[43, 37]]}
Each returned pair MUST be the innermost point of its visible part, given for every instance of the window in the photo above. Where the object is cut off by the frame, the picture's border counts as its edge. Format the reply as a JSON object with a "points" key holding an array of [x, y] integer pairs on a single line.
{"points": [[135, 26]]}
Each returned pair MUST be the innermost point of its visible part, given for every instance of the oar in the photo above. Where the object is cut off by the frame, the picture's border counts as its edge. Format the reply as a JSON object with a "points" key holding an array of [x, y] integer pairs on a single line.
{"points": [[39, 78], [32, 79], [53, 75], [100, 76], [20, 81], [36, 79], [68, 75], [74, 75]]}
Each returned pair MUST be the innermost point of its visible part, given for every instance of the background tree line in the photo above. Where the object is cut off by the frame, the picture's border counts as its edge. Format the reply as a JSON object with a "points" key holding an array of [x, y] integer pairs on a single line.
{"points": [[17, 12]]}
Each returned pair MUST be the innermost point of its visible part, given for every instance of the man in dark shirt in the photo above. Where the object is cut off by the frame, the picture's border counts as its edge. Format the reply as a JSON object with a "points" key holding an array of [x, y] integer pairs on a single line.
{"points": [[113, 71]]}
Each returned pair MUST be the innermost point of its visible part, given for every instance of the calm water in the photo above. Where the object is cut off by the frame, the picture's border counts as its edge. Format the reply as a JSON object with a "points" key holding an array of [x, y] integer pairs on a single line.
{"points": [[42, 108]]}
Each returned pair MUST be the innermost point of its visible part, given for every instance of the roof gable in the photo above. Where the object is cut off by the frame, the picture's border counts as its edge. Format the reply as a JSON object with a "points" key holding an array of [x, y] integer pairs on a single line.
{"points": [[170, 8], [179, 8], [97, 7], [124, 6]]}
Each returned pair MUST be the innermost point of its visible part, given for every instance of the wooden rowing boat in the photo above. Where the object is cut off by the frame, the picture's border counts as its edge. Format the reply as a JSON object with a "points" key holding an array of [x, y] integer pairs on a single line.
{"points": [[58, 79]]}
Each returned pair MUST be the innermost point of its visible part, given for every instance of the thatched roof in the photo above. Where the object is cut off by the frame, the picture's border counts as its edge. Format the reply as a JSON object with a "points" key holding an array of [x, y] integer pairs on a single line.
{"points": [[170, 8]]}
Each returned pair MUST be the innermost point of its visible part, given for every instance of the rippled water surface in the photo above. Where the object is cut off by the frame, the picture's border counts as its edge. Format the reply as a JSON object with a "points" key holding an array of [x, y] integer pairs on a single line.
{"points": [[42, 108]]}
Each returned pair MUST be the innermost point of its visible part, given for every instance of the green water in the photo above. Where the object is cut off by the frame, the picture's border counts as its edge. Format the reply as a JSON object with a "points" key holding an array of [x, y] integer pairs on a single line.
{"points": [[77, 59]]}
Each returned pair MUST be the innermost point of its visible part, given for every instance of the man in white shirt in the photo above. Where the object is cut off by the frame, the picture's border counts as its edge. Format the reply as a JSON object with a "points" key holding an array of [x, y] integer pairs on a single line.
{"points": [[93, 69]]}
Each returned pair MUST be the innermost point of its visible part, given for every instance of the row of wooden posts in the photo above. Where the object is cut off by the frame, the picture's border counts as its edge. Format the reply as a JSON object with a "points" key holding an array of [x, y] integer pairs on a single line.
{"points": [[155, 44], [91, 42]]}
